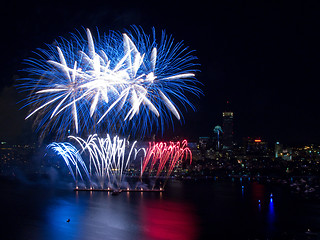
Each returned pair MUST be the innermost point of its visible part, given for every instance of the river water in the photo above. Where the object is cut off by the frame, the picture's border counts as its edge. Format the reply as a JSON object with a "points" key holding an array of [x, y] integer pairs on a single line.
{"points": [[190, 210]]}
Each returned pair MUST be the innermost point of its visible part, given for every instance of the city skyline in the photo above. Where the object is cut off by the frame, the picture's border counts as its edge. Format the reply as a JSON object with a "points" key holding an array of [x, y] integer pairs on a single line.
{"points": [[261, 57]]}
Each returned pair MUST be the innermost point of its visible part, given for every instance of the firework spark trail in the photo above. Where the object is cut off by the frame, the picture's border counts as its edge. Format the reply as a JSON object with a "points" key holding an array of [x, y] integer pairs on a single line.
{"points": [[163, 160], [108, 156], [117, 79], [180, 151], [163, 154], [111, 158], [148, 154], [71, 156]]}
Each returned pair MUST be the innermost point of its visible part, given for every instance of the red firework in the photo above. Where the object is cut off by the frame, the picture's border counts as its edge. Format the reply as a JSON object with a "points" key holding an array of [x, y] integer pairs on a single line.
{"points": [[165, 154]]}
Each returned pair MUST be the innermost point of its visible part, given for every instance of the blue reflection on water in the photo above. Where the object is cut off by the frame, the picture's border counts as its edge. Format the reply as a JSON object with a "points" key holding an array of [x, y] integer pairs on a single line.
{"points": [[58, 214], [271, 213], [259, 207], [271, 216]]}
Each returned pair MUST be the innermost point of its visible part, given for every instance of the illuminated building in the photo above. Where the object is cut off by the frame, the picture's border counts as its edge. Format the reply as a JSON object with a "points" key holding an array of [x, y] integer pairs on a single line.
{"points": [[280, 152], [255, 146], [227, 129], [204, 142], [277, 149], [287, 154]]}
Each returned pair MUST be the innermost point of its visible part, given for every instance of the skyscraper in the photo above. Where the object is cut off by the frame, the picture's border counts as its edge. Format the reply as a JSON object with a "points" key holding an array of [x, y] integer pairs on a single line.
{"points": [[277, 149], [227, 128]]}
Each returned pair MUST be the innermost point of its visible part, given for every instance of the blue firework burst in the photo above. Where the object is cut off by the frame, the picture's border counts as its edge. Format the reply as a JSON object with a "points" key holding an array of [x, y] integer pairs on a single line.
{"points": [[122, 83]]}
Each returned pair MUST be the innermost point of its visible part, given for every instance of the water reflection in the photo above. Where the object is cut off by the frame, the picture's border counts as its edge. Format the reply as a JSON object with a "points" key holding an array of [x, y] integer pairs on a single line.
{"points": [[98, 215], [258, 191], [168, 220], [242, 191], [271, 215], [186, 210], [58, 215]]}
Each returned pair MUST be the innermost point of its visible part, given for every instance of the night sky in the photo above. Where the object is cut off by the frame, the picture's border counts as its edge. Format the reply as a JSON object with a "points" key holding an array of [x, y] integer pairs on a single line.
{"points": [[262, 56]]}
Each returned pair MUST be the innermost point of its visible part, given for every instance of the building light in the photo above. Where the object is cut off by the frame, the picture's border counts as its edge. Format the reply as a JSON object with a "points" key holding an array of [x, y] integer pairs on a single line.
{"points": [[227, 114], [257, 140]]}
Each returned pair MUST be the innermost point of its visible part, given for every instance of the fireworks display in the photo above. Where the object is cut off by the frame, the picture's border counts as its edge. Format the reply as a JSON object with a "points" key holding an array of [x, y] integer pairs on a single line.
{"points": [[117, 83], [120, 83], [110, 159], [162, 154], [72, 159]]}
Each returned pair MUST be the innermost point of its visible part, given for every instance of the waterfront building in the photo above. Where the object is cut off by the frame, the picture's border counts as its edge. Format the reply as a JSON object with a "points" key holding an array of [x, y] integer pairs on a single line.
{"points": [[255, 146], [277, 149], [204, 142], [227, 130], [287, 154]]}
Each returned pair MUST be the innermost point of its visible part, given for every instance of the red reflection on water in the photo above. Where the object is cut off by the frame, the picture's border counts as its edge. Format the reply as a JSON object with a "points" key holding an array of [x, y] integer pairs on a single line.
{"points": [[258, 192], [169, 220]]}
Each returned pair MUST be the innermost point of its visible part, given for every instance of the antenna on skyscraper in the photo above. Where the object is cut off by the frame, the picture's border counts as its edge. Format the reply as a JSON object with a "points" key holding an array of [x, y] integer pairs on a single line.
{"points": [[217, 130]]}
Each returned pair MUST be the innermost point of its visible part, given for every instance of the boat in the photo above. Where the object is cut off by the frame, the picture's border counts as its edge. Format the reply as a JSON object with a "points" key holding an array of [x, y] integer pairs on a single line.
{"points": [[309, 232], [115, 192]]}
